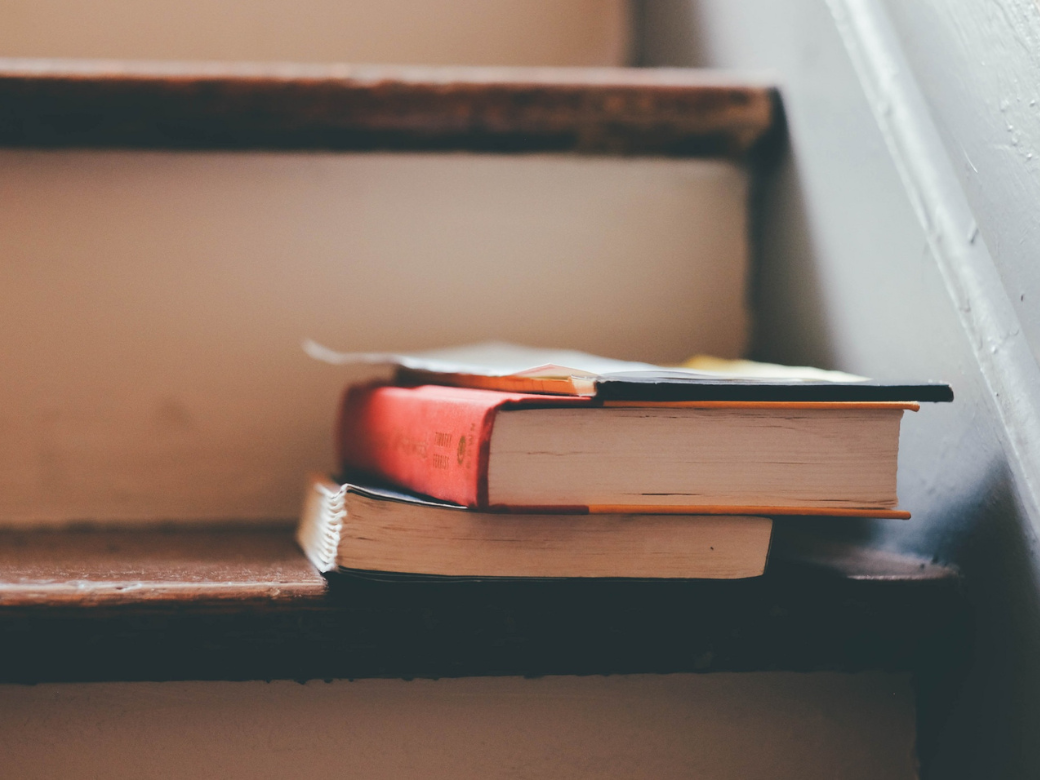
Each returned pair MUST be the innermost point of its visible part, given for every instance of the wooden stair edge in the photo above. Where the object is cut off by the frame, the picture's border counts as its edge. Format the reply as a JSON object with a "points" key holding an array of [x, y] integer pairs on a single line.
{"points": [[155, 565], [284, 106], [236, 603], [197, 563]]}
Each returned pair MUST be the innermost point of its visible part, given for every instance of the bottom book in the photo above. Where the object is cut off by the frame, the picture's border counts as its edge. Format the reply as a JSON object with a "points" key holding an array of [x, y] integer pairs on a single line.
{"points": [[369, 529]]}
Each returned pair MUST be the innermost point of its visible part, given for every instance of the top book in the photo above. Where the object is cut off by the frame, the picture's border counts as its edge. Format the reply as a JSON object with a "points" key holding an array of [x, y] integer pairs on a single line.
{"points": [[522, 452], [497, 427], [515, 369]]}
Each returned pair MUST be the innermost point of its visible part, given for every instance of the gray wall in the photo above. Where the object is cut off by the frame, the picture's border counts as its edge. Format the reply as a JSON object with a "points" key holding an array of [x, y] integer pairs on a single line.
{"points": [[978, 67], [847, 277]]}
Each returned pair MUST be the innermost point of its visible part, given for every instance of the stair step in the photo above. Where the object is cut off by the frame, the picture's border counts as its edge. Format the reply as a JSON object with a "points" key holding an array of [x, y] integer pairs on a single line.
{"points": [[157, 105], [188, 602]]}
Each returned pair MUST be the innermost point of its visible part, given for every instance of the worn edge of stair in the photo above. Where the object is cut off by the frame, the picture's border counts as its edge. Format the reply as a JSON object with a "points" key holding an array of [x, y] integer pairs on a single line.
{"points": [[244, 603], [300, 107]]}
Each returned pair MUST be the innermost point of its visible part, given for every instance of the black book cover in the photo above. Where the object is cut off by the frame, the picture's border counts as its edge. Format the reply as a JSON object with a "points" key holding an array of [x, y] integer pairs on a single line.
{"points": [[686, 388]]}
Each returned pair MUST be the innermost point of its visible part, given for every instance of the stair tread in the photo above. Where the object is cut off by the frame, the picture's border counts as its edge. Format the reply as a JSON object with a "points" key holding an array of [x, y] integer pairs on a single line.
{"points": [[171, 105], [243, 603]]}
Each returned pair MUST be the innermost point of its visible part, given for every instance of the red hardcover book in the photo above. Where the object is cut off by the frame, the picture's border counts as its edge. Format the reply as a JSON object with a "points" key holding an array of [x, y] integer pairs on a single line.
{"points": [[429, 439], [503, 451]]}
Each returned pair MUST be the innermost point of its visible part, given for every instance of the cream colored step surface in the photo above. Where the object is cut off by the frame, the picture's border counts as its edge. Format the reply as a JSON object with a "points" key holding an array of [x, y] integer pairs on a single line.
{"points": [[152, 305], [477, 32], [772, 725]]}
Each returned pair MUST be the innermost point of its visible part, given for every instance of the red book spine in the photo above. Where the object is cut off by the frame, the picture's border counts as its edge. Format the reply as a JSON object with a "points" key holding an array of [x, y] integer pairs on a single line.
{"points": [[430, 439]]}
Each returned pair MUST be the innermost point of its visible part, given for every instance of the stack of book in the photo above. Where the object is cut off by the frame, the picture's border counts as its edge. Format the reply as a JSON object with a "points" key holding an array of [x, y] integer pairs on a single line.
{"points": [[498, 461]]}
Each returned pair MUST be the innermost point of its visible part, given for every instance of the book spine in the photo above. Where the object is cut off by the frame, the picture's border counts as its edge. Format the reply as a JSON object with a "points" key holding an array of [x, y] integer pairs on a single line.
{"points": [[435, 443]]}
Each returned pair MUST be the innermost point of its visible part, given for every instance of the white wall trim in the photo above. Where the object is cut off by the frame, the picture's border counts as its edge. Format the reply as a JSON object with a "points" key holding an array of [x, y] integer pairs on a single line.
{"points": [[972, 279]]}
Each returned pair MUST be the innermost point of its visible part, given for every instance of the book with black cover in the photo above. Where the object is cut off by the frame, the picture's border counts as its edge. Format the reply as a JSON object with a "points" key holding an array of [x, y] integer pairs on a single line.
{"points": [[517, 369], [662, 388]]}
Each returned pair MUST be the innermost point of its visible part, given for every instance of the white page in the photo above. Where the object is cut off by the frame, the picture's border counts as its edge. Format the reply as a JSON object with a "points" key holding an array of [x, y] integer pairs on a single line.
{"points": [[499, 359]]}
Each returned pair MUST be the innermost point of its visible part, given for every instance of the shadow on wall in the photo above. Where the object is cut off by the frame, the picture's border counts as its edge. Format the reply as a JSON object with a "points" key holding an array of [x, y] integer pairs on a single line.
{"points": [[790, 324], [784, 286], [997, 703]]}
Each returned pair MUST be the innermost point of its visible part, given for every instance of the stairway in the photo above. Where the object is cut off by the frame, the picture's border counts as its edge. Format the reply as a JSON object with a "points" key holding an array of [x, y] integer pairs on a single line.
{"points": [[811, 665]]}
